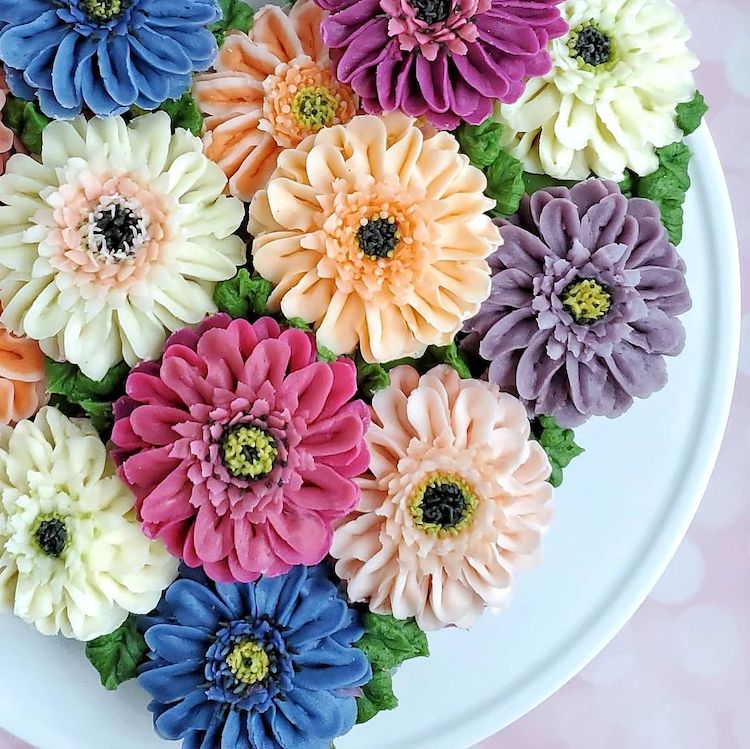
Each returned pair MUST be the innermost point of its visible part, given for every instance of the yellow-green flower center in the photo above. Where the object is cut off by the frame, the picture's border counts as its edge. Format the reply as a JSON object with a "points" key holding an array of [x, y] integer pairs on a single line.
{"points": [[248, 452], [103, 10], [443, 504], [248, 662], [314, 107], [51, 534], [593, 48], [587, 301]]}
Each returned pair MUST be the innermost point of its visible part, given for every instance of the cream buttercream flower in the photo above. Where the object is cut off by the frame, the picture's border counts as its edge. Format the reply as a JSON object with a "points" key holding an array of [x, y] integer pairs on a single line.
{"points": [[610, 100], [455, 501], [268, 91], [119, 235], [73, 557], [377, 235]]}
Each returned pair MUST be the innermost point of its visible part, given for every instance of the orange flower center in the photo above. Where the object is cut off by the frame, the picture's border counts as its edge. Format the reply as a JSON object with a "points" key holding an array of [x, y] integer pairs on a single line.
{"points": [[376, 238], [301, 98]]}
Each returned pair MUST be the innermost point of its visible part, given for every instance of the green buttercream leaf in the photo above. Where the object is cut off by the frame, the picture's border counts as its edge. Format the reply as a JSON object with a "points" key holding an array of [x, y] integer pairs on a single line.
{"points": [[690, 115], [628, 184], [243, 295], [299, 323], [668, 186], [558, 443], [184, 113], [388, 642], [93, 397], [370, 377], [236, 15], [448, 355], [377, 695], [325, 354], [481, 143], [117, 656], [534, 182], [26, 120], [505, 183]]}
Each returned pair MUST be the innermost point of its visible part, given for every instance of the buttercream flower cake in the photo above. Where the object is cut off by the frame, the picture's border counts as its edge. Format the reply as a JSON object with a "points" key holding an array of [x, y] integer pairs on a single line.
{"points": [[298, 309]]}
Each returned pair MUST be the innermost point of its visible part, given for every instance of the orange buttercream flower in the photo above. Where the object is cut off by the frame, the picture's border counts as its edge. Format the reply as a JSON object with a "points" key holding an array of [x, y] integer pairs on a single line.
{"points": [[269, 90], [22, 378], [377, 235]]}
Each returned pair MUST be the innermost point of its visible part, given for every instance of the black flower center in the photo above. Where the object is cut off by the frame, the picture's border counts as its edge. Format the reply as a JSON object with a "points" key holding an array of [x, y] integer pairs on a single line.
{"points": [[52, 536], [378, 237], [248, 452], [116, 229], [443, 505], [101, 11], [587, 301], [432, 11], [593, 46]]}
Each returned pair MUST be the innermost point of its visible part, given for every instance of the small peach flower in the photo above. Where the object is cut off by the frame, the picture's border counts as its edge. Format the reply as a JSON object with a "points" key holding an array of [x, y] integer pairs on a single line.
{"points": [[377, 235], [269, 90], [9, 144], [22, 378]]}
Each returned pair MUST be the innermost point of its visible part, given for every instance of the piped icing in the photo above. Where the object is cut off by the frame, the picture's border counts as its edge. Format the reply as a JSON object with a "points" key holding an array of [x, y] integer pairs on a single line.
{"points": [[73, 559], [446, 60], [586, 291], [376, 235], [125, 233], [104, 55], [269, 90], [241, 448], [23, 382], [611, 97], [455, 501]]}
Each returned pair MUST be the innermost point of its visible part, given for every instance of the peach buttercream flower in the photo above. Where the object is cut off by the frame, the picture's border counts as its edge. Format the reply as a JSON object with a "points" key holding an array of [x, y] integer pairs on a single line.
{"points": [[377, 235], [22, 378], [456, 500], [9, 144], [268, 91]]}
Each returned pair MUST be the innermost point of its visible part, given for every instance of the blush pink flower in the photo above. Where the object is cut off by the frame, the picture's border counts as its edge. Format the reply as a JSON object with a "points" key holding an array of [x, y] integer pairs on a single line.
{"points": [[241, 448], [9, 144]]}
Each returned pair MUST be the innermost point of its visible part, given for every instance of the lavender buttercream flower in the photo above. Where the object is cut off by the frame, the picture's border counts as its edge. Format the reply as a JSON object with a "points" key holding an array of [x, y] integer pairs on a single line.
{"points": [[448, 60], [585, 292]]}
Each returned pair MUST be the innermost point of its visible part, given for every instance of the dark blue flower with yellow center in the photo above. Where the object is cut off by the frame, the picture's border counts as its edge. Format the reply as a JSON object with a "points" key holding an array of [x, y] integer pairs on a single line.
{"points": [[264, 665], [104, 55]]}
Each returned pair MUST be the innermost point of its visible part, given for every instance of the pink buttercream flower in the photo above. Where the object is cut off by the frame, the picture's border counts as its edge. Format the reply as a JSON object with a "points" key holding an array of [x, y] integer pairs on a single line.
{"points": [[241, 448], [9, 144]]}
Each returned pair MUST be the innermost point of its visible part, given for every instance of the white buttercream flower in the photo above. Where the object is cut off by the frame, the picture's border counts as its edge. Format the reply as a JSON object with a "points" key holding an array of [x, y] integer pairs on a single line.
{"points": [[73, 558], [455, 501], [119, 235], [610, 99]]}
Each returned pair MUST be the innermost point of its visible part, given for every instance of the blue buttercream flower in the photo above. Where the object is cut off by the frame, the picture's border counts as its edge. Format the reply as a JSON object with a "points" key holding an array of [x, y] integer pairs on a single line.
{"points": [[105, 55], [264, 665]]}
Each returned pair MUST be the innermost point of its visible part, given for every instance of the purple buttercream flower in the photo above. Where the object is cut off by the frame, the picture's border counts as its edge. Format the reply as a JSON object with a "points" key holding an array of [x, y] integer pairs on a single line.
{"points": [[585, 290], [447, 60]]}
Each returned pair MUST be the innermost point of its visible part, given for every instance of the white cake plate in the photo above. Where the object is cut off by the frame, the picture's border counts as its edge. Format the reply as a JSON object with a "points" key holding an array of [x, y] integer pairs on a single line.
{"points": [[621, 513]]}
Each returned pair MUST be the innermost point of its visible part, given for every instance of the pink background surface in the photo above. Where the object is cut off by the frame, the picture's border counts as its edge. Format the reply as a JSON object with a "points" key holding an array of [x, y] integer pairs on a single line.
{"points": [[678, 675]]}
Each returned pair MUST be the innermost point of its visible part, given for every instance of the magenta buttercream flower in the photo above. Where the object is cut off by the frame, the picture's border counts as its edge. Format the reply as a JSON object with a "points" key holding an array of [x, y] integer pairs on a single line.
{"points": [[447, 60], [241, 447]]}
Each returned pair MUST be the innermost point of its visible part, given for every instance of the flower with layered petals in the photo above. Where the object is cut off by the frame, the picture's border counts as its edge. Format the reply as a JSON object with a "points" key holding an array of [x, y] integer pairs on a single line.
{"points": [[585, 292], [72, 555], [23, 379], [269, 90], [269, 664], [104, 55], [448, 60], [119, 235], [456, 499], [241, 448], [611, 97], [377, 235], [9, 143]]}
